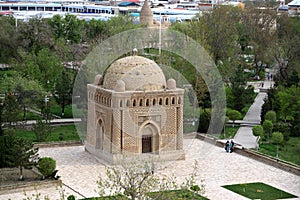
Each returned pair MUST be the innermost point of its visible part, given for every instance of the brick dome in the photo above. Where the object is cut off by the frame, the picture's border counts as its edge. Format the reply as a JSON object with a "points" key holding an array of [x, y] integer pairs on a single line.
{"points": [[137, 72]]}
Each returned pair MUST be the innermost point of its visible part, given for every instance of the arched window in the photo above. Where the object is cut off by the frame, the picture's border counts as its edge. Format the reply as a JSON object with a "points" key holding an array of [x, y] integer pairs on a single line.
{"points": [[127, 103], [179, 100], [147, 102], [121, 103], [154, 102], [160, 101], [134, 103], [173, 100], [141, 102], [167, 101]]}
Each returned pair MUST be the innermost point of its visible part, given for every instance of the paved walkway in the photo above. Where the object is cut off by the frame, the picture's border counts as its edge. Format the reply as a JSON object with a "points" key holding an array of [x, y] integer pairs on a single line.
{"points": [[244, 135], [80, 170]]}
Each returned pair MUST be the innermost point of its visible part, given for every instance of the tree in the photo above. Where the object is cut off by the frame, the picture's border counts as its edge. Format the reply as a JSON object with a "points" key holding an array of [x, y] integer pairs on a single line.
{"points": [[271, 116], [43, 67], [286, 50], [268, 127], [63, 90], [234, 115], [11, 108], [27, 92], [8, 40], [277, 138], [258, 131], [289, 99], [22, 154], [41, 130], [35, 34], [136, 179], [259, 29]]}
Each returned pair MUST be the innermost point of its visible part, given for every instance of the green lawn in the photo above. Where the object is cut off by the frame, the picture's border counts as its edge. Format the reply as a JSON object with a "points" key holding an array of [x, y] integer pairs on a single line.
{"points": [[259, 191], [288, 152], [167, 195], [229, 133], [177, 194], [56, 110], [68, 133]]}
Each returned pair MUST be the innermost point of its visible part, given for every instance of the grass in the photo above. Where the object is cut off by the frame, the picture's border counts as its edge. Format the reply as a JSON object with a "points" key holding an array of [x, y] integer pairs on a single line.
{"points": [[259, 191], [229, 133], [177, 194], [288, 152], [166, 195], [56, 110], [68, 133]]}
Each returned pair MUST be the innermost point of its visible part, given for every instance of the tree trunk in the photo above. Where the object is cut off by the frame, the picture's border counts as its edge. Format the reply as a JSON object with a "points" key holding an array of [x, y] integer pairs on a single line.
{"points": [[24, 113], [21, 173]]}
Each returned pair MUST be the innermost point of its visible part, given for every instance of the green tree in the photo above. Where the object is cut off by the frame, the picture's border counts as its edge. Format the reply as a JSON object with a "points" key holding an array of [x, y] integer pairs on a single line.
{"points": [[268, 127], [27, 92], [63, 90], [11, 108], [234, 115], [289, 99], [8, 40], [286, 50], [271, 116], [69, 28], [35, 35], [44, 67], [22, 154], [258, 131], [41, 130], [277, 138], [259, 29]]}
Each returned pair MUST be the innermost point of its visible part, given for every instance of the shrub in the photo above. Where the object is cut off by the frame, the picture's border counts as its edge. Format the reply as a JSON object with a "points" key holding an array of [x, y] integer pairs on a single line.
{"points": [[46, 166], [258, 130], [271, 115], [71, 197]]}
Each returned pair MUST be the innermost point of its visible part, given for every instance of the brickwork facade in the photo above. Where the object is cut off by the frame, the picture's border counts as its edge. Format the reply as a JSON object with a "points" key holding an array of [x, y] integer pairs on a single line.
{"points": [[135, 111]]}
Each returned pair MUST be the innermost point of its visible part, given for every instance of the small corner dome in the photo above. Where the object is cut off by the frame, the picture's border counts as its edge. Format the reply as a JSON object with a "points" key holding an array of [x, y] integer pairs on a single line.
{"points": [[98, 79], [136, 72], [171, 84]]}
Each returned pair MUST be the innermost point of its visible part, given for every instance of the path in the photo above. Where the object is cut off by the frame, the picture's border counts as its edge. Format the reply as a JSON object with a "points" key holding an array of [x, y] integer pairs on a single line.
{"points": [[244, 135]]}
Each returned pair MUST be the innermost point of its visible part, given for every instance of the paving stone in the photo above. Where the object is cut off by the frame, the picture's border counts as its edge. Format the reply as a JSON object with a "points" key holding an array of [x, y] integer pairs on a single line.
{"points": [[80, 170]]}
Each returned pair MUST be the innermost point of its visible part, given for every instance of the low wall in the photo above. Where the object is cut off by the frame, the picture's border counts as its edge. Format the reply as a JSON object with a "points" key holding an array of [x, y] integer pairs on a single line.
{"points": [[280, 164], [23, 186], [58, 144], [32, 180]]}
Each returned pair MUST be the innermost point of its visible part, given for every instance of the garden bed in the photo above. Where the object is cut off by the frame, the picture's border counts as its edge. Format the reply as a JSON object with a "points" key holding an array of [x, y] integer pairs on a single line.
{"points": [[9, 179]]}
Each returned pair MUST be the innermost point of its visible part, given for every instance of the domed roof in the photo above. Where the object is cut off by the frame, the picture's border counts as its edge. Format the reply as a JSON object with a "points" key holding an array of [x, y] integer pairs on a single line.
{"points": [[138, 74]]}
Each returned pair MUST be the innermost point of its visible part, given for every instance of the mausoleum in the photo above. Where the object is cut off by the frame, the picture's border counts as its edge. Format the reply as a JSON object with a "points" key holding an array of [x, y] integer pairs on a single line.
{"points": [[134, 111]]}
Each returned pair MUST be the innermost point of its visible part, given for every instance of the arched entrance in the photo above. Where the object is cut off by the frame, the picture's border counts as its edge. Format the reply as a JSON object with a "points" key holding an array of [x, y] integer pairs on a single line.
{"points": [[149, 139], [146, 144], [100, 135]]}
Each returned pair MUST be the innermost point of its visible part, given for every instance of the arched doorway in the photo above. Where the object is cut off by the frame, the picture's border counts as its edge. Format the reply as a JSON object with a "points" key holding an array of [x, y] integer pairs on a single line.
{"points": [[100, 135], [149, 139], [146, 144]]}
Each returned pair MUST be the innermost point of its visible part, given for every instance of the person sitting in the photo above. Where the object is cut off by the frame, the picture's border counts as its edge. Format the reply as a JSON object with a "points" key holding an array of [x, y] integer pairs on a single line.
{"points": [[231, 146]]}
